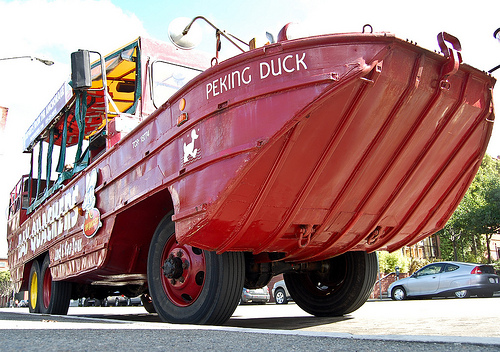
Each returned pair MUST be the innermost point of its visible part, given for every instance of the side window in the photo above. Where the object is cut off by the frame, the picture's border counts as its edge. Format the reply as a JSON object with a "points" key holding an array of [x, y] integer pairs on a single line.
{"points": [[450, 267], [168, 78], [430, 270]]}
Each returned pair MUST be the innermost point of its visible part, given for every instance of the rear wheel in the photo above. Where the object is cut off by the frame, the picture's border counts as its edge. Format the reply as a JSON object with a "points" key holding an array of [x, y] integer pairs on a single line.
{"points": [[189, 285], [54, 295], [34, 306], [486, 294], [342, 288], [462, 294]]}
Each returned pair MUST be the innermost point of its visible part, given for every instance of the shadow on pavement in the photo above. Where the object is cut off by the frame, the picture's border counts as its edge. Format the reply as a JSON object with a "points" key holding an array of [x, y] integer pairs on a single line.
{"points": [[145, 317], [284, 323], [279, 323]]}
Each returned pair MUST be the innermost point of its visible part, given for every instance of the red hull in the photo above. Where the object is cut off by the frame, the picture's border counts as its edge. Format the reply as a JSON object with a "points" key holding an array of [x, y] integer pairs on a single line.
{"points": [[363, 151]]}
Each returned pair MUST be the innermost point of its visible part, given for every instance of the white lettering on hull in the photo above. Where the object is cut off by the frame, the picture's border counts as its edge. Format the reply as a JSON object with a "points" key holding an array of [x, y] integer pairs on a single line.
{"points": [[270, 68], [68, 248], [60, 216]]}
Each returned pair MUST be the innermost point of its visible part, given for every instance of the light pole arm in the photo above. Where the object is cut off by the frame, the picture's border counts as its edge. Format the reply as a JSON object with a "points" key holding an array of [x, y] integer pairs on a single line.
{"points": [[46, 62]]}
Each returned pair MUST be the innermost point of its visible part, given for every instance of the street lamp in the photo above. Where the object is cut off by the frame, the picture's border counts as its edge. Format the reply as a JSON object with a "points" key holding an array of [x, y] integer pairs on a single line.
{"points": [[46, 62]]}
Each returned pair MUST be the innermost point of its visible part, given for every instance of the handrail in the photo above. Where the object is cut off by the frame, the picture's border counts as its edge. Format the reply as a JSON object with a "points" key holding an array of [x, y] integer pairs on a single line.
{"points": [[379, 283], [376, 282]]}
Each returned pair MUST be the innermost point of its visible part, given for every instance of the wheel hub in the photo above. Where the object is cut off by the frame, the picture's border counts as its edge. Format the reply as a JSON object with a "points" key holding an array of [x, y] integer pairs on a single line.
{"points": [[183, 272], [173, 267]]}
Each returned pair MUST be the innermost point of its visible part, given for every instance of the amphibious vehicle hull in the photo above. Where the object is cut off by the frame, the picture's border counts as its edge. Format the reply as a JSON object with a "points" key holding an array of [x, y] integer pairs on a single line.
{"points": [[337, 143]]}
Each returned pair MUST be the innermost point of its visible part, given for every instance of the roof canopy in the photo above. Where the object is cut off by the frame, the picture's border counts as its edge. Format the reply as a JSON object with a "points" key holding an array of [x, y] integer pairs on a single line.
{"points": [[122, 68]]}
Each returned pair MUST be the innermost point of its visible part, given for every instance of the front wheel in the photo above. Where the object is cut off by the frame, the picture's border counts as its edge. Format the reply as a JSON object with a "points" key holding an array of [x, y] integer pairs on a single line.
{"points": [[342, 287], [55, 295], [398, 293], [189, 285], [461, 294]]}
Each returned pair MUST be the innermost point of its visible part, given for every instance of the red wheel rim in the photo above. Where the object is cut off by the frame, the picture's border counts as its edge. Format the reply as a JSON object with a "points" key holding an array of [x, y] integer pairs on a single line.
{"points": [[47, 287], [183, 272]]}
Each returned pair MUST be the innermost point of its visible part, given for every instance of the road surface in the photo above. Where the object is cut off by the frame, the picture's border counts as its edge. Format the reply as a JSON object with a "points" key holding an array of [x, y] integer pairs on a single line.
{"points": [[421, 325]]}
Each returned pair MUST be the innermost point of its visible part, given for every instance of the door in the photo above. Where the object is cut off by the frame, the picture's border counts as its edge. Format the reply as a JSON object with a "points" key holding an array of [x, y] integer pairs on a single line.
{"points": [[426, 280]]}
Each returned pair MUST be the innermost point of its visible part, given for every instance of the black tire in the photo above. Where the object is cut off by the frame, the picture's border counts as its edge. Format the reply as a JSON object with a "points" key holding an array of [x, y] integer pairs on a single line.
{"points": [[280, 296], [33, 291], [462, 294], [54, 296], [193, 286], [486, 294], [148, 303], [340, 290], [398, 293]]}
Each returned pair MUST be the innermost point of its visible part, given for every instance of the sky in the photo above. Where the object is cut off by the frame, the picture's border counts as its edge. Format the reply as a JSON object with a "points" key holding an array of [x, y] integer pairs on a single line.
{"points": [[52, 29]]}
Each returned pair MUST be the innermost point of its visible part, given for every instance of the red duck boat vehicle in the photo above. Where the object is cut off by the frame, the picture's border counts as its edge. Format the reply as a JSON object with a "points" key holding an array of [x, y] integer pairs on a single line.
{"points": [[187, 183]]}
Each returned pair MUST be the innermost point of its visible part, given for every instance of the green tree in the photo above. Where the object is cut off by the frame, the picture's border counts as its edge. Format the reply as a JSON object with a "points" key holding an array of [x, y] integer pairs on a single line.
{"points": [[467, 234], [5, 284], [389, 261]]}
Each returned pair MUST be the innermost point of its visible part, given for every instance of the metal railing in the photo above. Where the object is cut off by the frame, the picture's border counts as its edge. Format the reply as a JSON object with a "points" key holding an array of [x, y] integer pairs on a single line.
{"points": [[379, 282]]}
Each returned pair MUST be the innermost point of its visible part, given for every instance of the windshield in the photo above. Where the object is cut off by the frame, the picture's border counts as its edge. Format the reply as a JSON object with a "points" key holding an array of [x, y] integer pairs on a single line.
{"points": [[167, 79]]}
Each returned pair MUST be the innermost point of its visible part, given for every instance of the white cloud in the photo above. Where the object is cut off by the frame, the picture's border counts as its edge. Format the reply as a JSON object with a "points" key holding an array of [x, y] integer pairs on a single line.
{"points": [[66, 25], [52, 30]]}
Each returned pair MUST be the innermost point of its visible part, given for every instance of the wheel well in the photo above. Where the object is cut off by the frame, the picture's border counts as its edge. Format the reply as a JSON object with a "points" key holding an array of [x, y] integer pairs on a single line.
{"points": [[133, 231], [27, 269], [398, 286]]}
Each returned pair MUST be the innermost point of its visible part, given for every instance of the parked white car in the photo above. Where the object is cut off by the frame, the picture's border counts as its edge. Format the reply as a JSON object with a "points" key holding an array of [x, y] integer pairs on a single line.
{"points": [[280, 293], [447, 279]]}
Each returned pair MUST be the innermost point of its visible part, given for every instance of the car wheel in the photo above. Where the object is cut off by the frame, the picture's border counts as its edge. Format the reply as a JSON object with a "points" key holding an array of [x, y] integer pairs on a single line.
{"points": [[117, 302], [487, 294], [462, 294], [398, 293], [341, 289], [280, 296], [54, 295], [189, 285], [147, 302]]}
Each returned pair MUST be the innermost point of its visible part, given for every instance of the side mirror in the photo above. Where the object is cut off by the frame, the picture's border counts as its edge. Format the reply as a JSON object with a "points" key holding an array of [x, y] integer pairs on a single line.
{"points": [[80, 69]]}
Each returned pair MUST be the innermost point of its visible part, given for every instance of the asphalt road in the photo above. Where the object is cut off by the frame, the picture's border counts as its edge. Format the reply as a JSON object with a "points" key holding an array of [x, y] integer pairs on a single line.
{"points": [[421, 325]]}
